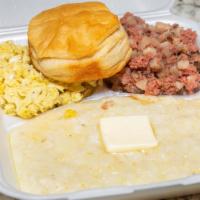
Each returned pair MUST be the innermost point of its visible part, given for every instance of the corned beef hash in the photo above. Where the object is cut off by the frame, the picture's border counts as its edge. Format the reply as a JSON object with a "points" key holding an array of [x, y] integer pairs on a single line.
{"points": [[165, 59]]}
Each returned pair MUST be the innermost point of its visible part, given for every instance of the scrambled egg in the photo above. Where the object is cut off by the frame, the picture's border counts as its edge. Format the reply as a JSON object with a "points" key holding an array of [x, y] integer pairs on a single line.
{"points": [[70, 113], [25, 92]]}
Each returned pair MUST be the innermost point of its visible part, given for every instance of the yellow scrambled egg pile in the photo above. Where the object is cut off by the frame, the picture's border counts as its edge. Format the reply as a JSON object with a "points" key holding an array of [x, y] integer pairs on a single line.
{"points": [[25, 92]]}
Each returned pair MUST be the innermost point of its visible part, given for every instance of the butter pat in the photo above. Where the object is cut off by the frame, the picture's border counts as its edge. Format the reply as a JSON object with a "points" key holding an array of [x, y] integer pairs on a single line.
{"points": [[127, 133]]}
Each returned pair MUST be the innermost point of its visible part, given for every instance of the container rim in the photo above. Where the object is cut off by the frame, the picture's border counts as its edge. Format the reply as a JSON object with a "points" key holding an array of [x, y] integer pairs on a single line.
{"points": [[103, 192], [164, 10]]}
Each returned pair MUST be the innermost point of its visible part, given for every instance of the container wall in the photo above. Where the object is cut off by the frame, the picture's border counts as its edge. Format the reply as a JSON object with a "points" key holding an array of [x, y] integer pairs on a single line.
{"points": [[23, 10], [8, 176]]}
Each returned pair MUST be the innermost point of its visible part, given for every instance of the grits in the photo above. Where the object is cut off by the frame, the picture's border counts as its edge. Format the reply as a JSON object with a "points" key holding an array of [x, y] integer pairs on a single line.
{"points": [[72, 157]]}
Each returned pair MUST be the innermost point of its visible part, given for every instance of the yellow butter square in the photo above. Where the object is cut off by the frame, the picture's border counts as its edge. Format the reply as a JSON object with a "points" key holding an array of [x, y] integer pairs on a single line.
{"points": [[127, 133]]}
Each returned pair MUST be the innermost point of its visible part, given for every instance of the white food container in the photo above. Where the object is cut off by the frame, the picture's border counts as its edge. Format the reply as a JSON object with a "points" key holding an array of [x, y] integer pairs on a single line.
{"points": [[14, 16]]}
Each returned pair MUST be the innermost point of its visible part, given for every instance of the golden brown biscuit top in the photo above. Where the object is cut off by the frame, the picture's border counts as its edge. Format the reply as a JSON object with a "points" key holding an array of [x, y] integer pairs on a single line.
{"points": [[71, 31]]}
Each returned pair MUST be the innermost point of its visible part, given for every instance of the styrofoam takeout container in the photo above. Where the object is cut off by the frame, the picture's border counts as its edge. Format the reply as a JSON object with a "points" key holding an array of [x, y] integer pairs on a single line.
{"points": [[14, 17]]}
